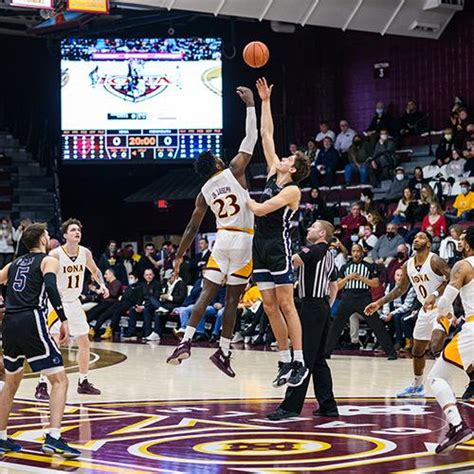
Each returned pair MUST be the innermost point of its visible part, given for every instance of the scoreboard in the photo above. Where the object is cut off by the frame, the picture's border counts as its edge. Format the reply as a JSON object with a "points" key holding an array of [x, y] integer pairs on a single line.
{"points": [[139, 145]]}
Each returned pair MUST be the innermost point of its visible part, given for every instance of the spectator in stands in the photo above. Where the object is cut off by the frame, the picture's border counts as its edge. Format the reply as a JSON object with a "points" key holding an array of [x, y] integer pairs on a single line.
{"points": [[400, 182], [418, 208], [399, 214], [111, 259], [311, 150], [167, 255], [368, 239], [368, 203], [380, 120], [387, 245], [129, 258], [358, 154], [384, 158], [344, 138], [148, 260], [444, 150], [324, 131], [325, 165], [463, 121], [435, 219], [293, 148], [410, 121], [313, 209], [151, 287], [376, 223], [396, 263], [248, 303], [17, 235], [463, 204], [6, 242], [449, 248], [455, 167], [417, 181], [201, 258], [156, 309], [339, 252], [468, 149], [352, 223]]}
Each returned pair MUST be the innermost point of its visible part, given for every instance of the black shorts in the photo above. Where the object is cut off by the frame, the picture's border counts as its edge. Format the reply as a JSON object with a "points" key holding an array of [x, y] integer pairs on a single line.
{"points": [[272, 265], [26, 337]]}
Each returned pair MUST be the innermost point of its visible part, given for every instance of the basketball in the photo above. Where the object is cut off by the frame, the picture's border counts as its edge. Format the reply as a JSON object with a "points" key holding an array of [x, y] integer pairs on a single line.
{"points": [[256, 54]]}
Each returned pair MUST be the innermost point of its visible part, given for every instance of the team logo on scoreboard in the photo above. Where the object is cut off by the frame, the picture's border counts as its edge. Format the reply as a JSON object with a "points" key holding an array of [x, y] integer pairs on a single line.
{"points": [[220, 436], [135, 89]]}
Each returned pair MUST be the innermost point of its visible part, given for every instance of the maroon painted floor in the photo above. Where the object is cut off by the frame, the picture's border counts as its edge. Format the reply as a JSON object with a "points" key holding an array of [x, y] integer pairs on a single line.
{"points": [[371, 435]]}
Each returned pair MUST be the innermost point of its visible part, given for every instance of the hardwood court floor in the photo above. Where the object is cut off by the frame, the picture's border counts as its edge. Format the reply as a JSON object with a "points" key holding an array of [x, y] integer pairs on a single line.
{"points": [[152, 417]]}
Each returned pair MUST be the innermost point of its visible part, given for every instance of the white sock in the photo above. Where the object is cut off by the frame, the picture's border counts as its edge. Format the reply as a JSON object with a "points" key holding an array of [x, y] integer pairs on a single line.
{"points": [[189, 333], [445, 396], [42, 379], [418, 380], [224, 344], [82, 377], [298, 355], [285, 356], [55, 433], [3, 435]]}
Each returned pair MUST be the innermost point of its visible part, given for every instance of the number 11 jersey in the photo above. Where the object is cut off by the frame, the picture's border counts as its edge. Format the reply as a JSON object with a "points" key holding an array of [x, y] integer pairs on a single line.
{"points": [[71, 274], [228, 200]]}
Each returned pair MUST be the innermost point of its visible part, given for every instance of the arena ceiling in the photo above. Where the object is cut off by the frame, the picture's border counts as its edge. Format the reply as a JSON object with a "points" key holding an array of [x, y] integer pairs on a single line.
{"points": [[416, 18]]}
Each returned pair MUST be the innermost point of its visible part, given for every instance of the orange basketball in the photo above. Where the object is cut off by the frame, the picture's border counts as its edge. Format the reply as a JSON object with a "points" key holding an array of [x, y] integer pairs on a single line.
{"points": [[256, 54]]}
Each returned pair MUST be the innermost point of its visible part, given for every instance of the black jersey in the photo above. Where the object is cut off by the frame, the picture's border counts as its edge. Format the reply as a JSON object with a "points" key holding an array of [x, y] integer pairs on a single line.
{"points": [[25, 287], [277, 223]]}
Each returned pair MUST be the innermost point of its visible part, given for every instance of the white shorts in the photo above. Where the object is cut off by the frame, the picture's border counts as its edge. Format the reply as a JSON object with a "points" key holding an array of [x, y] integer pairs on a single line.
{"points": [[425, 324], [460, 350], [76, 318], [231, 258]]}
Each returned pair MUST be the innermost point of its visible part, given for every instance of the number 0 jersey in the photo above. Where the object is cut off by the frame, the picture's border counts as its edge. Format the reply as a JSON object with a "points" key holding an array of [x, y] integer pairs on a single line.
{"points": [[228, 200], [425, 280], [71, 274]]}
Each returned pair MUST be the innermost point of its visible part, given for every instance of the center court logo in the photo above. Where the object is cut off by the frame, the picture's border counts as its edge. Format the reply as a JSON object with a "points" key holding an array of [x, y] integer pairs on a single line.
{"points": [[135, 89], [228, 435]]}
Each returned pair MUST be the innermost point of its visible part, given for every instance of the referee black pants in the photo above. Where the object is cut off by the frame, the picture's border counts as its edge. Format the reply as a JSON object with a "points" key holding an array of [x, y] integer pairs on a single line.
{"points": [[315, 316], [356, 303]]}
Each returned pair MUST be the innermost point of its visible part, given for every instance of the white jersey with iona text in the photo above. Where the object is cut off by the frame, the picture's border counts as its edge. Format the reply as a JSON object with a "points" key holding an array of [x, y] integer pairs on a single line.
{"points": [[228, 200], [71, 274], [425, 281], [467, 292]]}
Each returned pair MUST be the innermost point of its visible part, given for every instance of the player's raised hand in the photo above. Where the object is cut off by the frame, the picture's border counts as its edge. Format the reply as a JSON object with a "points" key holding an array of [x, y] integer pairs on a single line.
{"points": [[264, 90], [246, 95], [64, 334], [372, 308]]}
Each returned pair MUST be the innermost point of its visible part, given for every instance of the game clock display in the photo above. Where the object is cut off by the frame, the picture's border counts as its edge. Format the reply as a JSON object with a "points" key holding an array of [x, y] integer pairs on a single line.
{"points": [[139, 145]]}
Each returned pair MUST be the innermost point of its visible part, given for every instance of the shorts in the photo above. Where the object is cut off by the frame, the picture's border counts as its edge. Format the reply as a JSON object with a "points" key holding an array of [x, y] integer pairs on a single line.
{"points": [[231, 258], [272, 262], [460, 350], [76, 317], [426, 323], [26, 337]]}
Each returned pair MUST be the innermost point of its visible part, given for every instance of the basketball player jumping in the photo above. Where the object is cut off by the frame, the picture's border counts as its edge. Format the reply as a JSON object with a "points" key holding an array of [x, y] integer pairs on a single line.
{"points": [[273, 268], [225, 192], [73, 260], [459, 353], [429, 275], [26, 337]]}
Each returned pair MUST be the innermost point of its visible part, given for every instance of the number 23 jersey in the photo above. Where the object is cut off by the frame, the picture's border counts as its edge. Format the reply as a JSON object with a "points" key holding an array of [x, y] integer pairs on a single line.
{"points": [[228, 201], [425, 280], [71, 274]]}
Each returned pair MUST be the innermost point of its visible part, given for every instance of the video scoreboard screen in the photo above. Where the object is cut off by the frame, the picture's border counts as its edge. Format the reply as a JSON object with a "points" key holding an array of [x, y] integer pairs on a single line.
{"points": [[140, 99]]}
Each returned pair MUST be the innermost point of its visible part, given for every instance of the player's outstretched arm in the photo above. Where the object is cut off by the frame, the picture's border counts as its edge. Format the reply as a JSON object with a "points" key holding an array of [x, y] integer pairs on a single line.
{"points": [[459, 273], [286, 197], [266, 126], [399, 290], [96, 273], [239, 163], [200, 209]]}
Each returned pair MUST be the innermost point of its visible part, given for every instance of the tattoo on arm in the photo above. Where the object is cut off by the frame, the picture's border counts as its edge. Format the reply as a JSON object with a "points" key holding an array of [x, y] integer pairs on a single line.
{"points": [[99, 278]]}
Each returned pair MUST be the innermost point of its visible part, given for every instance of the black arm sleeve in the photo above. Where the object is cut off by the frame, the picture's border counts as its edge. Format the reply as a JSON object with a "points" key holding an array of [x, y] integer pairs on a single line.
{"points": [[53, 295]]}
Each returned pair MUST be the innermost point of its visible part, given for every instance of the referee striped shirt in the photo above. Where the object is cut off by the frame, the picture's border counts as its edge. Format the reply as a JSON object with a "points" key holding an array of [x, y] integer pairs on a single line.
{"points": [[363, 269], [318, 270]]}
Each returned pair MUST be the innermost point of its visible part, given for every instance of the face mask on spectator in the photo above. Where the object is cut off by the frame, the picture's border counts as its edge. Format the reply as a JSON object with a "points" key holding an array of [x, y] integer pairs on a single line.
{"points": [[448, 136], [131, 280], [464, 190], [379, 111], [355, 238], [390, 234], [333, 251], [400, 255], [399, 176], [363, 198]]}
